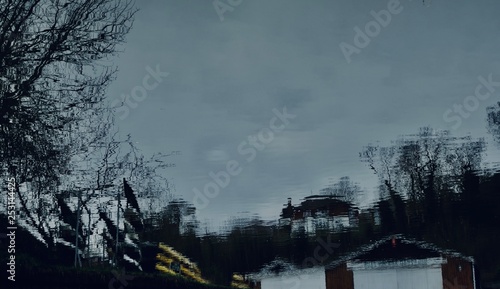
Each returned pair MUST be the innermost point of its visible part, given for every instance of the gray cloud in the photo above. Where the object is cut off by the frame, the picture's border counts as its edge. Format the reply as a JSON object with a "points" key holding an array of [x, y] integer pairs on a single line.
{"points": [[226, 77]]}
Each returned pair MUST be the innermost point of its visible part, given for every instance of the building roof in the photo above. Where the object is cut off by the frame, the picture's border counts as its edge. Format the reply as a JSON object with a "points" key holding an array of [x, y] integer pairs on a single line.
{"points": [[330, 203], [404, 249], [322, 202]]}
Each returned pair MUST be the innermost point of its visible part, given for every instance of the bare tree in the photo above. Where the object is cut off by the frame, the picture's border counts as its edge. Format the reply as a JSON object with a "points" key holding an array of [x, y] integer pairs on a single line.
{"points": [[54, 71], [97, 176], [343, 188], [416, 162], [423, 166]]}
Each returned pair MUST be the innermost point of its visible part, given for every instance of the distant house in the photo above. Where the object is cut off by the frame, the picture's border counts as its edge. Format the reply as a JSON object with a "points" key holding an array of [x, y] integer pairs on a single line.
{"points": [[319, 212], [397, 262], [394, 262]]}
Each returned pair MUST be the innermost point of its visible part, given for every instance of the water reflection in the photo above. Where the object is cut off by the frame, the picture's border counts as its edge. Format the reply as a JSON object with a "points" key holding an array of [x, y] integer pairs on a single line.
{"points": [[436, 202], [433, 224]]}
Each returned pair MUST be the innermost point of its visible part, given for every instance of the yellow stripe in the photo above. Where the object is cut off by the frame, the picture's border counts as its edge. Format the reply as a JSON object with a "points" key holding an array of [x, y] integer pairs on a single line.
{"points": [[179, 257], [187, 267], [164, 269]]}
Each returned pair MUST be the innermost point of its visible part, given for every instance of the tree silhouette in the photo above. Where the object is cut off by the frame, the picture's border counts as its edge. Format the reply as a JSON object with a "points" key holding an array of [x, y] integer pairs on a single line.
{"points": [[53, 80], [421, 168], [343, 188]]}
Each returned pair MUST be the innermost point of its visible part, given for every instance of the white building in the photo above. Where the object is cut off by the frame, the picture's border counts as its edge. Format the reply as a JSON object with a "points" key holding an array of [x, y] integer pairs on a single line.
{"points": [[280, 274], [319, 212], [394, 262]]}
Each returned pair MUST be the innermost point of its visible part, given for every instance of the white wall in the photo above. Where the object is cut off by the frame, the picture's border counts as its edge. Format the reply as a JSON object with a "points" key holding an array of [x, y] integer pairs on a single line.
{"points": [[303, 280], [418, 278]]}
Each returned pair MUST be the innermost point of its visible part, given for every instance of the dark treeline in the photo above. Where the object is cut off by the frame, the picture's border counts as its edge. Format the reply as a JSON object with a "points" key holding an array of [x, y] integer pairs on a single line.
{"points": [[432, 187]]}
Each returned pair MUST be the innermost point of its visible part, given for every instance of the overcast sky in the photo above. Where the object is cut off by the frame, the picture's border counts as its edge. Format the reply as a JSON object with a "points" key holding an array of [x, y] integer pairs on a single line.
{"points": [[229, 71]]}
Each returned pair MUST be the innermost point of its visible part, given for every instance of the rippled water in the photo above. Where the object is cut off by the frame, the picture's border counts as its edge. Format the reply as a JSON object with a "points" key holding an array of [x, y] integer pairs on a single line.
{"points": [[436, 194], [276, 145]]}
